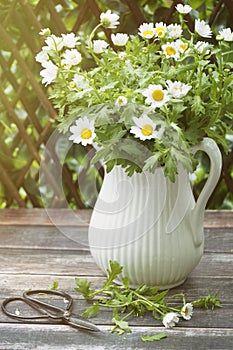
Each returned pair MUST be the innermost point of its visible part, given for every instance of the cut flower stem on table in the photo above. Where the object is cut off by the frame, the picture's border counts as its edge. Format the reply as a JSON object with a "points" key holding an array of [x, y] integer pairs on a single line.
{"points": [[126, 302]]}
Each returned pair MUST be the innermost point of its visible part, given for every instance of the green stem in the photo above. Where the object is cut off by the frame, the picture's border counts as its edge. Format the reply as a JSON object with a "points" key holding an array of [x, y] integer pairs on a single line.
{"points": [[92, 35], [221, 85], [156, 306]]}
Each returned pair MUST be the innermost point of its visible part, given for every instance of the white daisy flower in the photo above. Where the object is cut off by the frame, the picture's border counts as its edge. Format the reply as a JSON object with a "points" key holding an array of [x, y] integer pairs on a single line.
{"points": [[72, 57], [42, 56], [146, 30], [121, 101], [187, 311], [201, 46], [170, 319], [144, 128], [83, 132], [99, 46], [70, 40], [119, 39], [183, 9], [109, 19], [48, 74], [227, 34], [160, 29], [156, 95], [182, 46], [177, 89], [174, 30], [202, 28], [54, 42], [171, 50], [45, 32]]}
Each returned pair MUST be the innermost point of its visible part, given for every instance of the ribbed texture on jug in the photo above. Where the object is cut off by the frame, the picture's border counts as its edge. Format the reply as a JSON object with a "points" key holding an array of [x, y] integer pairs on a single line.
{"points": [[131, 224]]}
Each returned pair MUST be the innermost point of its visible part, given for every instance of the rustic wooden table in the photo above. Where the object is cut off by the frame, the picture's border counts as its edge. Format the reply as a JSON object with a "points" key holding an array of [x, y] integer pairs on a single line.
{"points": [[35, 252]]}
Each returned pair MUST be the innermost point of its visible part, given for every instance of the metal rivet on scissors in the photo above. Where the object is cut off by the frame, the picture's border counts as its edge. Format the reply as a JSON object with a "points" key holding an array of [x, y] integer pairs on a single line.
{"points": [[48, 311]]}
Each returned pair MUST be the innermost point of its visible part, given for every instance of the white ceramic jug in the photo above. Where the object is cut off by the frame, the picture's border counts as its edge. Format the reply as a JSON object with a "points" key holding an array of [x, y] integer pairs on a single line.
{"points": [[151, 226]]}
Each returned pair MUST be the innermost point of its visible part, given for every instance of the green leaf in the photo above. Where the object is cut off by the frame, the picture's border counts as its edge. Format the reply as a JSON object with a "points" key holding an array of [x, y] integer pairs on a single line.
{"points": [[170, 168], [158, 297], [208, 301], [110, 164], [91, 310], [150, 338], [54, 285], [126, 282], [114, 270], [122, 326], [197, 105], [132, 168], [146, 290], [152, 162], [156, 315], [101, 154], [83, 287], [182, 158]]}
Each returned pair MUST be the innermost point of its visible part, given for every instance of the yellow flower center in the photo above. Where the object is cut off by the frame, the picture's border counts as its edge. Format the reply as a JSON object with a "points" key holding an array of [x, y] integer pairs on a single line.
{"points": [[184, 46], [186, 311], [158, 95], [72, 84], [86, 133], [147, 32], [147, 130], [170, 51], [160, 31]]}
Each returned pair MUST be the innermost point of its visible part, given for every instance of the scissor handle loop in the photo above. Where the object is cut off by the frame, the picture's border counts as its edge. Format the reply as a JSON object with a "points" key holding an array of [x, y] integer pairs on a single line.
{"points": [[12, 315], [59, 313]]}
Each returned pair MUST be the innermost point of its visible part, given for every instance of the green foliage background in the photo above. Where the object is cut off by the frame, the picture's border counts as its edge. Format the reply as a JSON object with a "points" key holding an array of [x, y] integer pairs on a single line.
{"points": [[14, 153]]}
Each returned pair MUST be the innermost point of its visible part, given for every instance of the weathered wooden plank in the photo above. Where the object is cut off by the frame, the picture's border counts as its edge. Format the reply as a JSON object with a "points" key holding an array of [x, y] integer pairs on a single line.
{"points": [[216, 218], [28, 261], [70, 262], [219, 318], [194, 287], [36, 216], [44, 217], [46, 237], [76, 238], [218, 240], [59, 337]]}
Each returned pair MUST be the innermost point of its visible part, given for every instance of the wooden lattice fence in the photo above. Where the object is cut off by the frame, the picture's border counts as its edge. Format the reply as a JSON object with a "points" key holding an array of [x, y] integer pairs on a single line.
{"points": [[27, 117]]}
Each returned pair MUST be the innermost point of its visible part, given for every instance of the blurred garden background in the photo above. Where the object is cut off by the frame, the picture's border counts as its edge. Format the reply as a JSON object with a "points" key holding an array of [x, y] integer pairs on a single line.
{"points": [[28, 119]]}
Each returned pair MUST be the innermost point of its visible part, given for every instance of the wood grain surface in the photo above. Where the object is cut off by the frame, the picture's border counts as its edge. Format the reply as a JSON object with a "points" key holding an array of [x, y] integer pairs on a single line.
{"points": [[38, 247]]}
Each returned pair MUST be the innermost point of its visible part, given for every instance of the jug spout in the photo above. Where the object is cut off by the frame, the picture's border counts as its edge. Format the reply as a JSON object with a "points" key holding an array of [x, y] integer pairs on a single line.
{"points": [[210, 147]]}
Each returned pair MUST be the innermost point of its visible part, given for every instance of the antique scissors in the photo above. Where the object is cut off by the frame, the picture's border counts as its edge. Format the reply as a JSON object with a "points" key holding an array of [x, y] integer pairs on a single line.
{"points": [[52, 313]]}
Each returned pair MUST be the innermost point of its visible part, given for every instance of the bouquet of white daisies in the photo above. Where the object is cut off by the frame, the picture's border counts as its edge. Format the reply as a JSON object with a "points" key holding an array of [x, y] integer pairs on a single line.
{"points": [[148, 97]]}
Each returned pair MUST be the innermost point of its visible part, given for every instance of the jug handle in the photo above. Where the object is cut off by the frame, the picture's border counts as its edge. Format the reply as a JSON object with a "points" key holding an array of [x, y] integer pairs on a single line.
{"points": [[210, 147]]}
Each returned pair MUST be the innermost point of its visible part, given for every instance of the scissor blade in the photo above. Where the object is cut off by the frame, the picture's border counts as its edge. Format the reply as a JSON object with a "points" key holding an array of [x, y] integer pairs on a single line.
{"points": [[80, 322]]}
